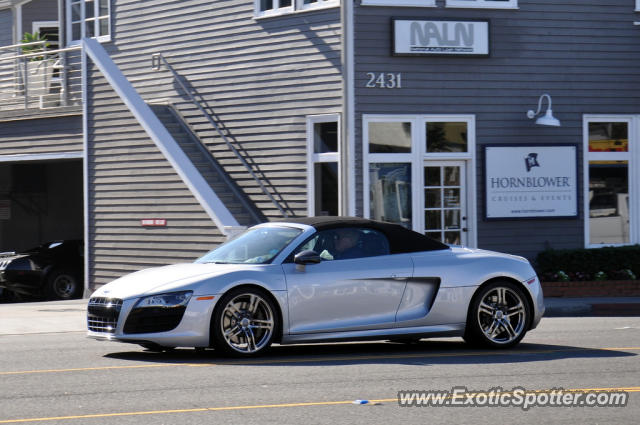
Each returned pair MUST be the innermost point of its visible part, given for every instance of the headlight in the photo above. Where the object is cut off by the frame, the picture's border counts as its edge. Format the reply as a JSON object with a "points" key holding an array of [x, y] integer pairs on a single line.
{"points": [[172, 300]]}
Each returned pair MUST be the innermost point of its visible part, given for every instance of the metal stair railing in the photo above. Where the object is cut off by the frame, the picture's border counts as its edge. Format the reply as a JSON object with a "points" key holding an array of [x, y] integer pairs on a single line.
{"points": [[202, 148], [157, 61]]}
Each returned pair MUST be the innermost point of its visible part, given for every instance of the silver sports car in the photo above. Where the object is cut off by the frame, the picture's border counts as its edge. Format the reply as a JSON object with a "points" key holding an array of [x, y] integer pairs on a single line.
{"points": [[322, 279]]}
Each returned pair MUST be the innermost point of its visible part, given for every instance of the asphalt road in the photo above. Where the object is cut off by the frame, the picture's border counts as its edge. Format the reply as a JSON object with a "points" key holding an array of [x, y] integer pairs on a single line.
{"points": [[64, 378]]}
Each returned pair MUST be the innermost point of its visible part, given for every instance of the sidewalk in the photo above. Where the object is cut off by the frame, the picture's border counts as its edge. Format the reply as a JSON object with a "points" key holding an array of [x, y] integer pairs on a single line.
{"points": [[70, 316], [43, 317]]}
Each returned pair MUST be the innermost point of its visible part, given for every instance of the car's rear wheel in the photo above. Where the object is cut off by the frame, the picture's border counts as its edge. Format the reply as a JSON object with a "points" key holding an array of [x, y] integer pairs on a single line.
{"points": [[62, 284], [244, 322], [499, 316]]}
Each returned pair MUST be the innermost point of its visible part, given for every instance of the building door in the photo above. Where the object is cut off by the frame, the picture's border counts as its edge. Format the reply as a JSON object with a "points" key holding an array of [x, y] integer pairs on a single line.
{"points": [[444, 200], [419, 171]]}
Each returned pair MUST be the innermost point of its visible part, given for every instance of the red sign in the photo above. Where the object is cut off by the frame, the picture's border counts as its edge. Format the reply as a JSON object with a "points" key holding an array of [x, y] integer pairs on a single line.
{"points": [[153, 222]]}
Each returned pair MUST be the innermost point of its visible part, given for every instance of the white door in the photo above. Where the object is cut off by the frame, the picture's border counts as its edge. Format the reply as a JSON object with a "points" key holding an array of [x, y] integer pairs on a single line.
{"points": [[444, 201]]}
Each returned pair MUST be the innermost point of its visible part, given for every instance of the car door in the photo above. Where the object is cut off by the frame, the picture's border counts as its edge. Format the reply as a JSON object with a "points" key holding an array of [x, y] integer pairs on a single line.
{"points": [[346, 294]]}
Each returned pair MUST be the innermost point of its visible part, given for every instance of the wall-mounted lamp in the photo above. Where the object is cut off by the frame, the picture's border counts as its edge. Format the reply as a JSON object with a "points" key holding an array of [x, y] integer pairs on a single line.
{"points": [[547, 118]]}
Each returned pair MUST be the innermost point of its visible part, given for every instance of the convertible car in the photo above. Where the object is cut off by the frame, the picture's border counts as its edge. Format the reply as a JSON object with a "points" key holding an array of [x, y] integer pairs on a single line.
{"points": [[322, 279]]}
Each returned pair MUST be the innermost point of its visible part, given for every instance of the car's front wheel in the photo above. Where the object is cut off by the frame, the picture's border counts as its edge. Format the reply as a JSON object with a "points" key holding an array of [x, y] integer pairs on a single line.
{"points": [[499, 316], [244, 322]]}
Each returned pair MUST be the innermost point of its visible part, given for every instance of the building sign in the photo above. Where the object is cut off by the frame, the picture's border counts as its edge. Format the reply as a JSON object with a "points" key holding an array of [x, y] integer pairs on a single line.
{"points": [[531, 181], [153, 222], [440, 37]]}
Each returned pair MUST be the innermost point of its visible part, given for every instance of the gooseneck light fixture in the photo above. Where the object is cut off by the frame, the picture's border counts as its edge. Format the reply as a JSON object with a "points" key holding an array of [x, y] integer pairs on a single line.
{"points": [[547, 118]]}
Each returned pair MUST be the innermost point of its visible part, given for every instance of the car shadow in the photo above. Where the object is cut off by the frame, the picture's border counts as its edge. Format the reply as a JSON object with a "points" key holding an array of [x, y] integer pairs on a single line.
{"points": [[422, 353]]}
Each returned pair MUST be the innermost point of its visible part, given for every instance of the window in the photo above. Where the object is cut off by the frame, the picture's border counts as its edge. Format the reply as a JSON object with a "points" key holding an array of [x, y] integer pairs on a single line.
{"points": [[347, 243], [323, 153], [487, 4], [610, 191], [399, 3], [88, 18], [419, 171], [280, 7], [49, 30]]}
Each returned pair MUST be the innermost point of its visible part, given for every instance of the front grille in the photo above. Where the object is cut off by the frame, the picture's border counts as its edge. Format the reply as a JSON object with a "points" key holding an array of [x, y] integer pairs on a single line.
{"points": [[102, 314]]}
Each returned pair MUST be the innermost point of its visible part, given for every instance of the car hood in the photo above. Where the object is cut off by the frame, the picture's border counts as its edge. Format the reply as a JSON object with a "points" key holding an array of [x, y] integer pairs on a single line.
{"points": [[163, 279]]}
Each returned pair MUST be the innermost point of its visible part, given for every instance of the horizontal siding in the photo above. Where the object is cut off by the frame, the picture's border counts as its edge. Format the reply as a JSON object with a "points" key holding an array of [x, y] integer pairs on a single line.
{"points": [[258, 78], [38, 10], [41, 136], [131, 180], [583, 53], [6, 27]]}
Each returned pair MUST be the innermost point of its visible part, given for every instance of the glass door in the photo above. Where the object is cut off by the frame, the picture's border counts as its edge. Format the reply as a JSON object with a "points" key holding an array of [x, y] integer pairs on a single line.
{"points": [[445, 210]]}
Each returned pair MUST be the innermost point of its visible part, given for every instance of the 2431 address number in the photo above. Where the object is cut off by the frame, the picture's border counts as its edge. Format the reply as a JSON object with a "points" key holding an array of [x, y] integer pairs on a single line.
{"points": [[384, 80]]}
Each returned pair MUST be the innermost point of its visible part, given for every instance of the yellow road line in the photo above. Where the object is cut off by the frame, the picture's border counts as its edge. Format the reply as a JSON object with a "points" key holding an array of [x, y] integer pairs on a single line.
{"points": [[269, 406], [83, 369], [355, 358]]}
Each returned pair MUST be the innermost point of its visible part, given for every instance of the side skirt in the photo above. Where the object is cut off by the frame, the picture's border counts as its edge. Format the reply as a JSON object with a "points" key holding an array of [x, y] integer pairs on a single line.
{"points": [[450, 330]]}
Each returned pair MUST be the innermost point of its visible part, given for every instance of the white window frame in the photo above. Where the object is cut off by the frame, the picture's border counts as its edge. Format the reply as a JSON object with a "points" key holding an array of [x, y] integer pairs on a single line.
{"points": [[297, 6], [313, 158], [637, 5], [418, 157], [400, 3], [320, 4], [36, 25], [633, 159], [482, 4], [100, 38]]}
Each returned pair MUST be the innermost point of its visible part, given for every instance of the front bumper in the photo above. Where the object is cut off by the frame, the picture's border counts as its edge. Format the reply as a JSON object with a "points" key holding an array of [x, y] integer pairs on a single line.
{"points": [[109, 323]]}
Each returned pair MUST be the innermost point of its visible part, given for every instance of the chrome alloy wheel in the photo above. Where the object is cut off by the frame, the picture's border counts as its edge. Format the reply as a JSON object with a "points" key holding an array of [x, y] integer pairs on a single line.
{"points": [[247, 323], [502, 315]]}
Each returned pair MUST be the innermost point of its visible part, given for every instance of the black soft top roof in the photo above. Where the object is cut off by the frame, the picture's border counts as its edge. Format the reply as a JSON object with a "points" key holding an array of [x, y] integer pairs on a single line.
{"points": [[401, 239]]}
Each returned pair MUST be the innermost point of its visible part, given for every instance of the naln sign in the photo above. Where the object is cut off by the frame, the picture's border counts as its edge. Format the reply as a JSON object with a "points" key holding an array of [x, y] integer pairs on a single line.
{"points": [[440, 37]]}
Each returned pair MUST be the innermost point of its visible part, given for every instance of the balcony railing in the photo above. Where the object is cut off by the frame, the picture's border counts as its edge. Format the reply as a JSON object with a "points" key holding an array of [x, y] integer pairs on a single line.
{"points": [[33, 78]]}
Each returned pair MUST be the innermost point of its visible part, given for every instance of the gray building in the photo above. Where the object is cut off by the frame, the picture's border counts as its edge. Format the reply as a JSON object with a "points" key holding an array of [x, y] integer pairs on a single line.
{"points": [[41, 143], [196, 118], [454, 80]]}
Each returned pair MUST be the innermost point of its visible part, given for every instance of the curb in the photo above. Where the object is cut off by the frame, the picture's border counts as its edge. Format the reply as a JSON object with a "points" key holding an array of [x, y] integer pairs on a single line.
{"points": [[584, 307]]}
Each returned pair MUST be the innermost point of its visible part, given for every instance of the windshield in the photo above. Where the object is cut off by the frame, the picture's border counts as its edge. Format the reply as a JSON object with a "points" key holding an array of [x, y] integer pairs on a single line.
{"points": [[255, 246]]}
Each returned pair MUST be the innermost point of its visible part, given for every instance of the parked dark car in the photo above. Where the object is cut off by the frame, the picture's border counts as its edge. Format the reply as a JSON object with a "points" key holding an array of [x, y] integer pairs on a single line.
{"points": [[53, 270]]}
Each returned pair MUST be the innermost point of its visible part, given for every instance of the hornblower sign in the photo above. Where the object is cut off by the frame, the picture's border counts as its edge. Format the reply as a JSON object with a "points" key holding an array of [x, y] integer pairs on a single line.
{"points": [[531, 181], [440, 37]]}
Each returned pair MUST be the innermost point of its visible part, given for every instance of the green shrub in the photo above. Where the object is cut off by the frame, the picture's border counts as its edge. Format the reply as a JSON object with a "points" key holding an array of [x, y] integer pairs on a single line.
{"points": [[36, 48], [615, 263]]}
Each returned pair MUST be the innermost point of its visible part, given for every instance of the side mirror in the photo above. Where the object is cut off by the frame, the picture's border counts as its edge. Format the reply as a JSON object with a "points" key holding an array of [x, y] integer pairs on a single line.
{"points": [[307, 257]]}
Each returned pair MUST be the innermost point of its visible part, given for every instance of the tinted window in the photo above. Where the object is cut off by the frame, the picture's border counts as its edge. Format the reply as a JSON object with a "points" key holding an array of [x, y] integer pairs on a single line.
{"points": [[347, 243]]}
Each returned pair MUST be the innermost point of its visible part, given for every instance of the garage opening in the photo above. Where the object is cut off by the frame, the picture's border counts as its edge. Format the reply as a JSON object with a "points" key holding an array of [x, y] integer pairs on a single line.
{"points": [[41, 230]]}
